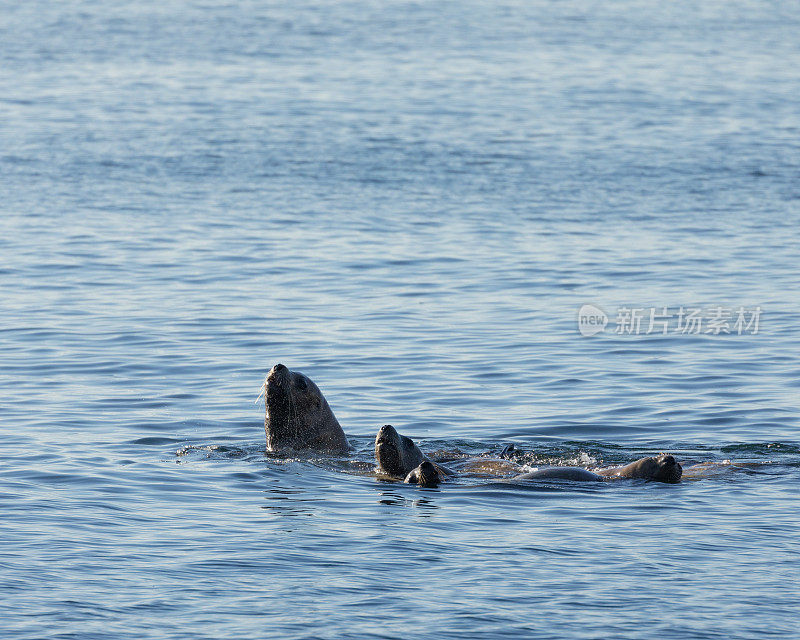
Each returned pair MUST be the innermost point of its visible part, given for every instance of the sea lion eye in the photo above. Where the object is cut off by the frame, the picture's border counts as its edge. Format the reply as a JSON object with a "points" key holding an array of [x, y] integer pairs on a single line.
{"points": [[301, 384]]}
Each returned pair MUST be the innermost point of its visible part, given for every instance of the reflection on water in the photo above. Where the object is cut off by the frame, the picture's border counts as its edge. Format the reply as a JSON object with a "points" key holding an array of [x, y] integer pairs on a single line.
{"points": [[286, 502], [396, 498]]}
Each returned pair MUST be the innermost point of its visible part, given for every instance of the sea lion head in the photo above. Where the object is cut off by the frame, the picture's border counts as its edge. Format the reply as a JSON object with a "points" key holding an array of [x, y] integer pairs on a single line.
{"points": [[425, 475], [297, 415], [666, 469], [396, 455]]}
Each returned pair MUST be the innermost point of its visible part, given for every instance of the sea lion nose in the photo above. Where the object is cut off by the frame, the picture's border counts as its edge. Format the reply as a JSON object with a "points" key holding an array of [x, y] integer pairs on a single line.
{"points": [[384, 433], [279, 367]]}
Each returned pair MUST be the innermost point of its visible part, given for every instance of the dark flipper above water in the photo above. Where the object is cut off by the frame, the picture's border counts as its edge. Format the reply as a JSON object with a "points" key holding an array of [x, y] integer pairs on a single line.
{"points": [[507, 451]]}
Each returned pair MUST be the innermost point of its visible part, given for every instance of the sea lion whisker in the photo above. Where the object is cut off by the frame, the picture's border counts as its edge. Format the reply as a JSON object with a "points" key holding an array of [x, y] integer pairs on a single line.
{"points": [[262, 393]]}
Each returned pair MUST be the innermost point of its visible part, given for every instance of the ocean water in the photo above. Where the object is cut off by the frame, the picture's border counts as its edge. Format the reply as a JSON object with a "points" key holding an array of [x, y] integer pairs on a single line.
{"points": [[409, 202]]}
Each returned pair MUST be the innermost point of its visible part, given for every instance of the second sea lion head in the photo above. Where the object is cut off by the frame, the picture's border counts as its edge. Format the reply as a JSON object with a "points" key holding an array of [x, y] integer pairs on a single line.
{"points": [[395, 454]]}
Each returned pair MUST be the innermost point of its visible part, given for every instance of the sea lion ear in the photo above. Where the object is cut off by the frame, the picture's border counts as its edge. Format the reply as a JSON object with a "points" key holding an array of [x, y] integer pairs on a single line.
{"points": [[407, 441], [301, 383]]}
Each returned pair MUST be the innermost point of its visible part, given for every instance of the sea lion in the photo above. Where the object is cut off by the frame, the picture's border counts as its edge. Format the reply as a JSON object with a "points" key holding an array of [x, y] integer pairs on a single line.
{"points": [[297, 414], [396, 455], [425, 475], [662, 469]]}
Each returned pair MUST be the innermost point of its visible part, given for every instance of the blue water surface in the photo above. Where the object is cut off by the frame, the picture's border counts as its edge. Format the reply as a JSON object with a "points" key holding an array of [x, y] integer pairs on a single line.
{"points": [[409, 202]]}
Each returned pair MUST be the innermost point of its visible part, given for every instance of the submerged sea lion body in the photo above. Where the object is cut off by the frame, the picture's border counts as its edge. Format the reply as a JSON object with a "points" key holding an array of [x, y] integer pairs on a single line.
{"points": [[561, 473], [297, 414], [661, 469]]}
